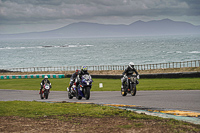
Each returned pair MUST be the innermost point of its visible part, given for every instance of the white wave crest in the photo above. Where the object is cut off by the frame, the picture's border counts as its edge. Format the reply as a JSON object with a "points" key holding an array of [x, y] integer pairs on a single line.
{"points": [[47, 46], [194, 52], [170, 52], [179, 52]]}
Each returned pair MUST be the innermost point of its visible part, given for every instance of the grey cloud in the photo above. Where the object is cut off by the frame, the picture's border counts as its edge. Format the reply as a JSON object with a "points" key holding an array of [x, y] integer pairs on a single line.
{"points": [[194, 6], [32, 11]]}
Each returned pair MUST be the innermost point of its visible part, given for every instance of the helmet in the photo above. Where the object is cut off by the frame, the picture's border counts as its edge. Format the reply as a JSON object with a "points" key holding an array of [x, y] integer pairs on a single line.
{"points": [[131, 65], [84, 68], [46, 77]]}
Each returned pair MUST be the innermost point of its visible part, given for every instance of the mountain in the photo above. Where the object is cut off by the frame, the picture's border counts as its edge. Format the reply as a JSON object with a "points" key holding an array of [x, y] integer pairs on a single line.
{"points": [[138, 28], [164, 27]]}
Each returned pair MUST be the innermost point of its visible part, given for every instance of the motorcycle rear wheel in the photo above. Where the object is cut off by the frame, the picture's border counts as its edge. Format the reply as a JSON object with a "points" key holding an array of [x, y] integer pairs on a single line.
{"points": [[79, 97]]}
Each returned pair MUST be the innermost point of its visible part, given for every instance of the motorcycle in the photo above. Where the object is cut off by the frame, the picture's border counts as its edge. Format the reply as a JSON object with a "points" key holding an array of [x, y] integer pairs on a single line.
{"points": [[129, 85], [83, 89], [44, 93], [73, 91]]}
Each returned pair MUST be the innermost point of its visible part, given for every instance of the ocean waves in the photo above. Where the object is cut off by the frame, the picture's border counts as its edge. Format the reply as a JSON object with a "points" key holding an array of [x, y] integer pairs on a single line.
{"points": [[46, 46], [194, 52], [180, 52], [98, 51]]}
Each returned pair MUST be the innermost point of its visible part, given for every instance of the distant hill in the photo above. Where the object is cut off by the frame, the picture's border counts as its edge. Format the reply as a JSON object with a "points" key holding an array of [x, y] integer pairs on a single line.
{"points": [[138, 28]]}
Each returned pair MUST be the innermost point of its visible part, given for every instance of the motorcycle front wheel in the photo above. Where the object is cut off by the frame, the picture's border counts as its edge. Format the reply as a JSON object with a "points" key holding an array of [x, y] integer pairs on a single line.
{"points": [[46, 94], [87, 93], [123, 92], [70, 95], [133, 89]]}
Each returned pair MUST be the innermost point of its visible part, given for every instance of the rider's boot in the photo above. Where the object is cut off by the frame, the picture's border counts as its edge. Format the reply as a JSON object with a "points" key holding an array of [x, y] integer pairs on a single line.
{"points": [[41, 87], [122, 87], [70, 89], [40, 90]]}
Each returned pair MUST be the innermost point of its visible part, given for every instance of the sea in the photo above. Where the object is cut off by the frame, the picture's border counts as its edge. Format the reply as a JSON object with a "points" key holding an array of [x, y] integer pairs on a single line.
{"points": [[55, 52]]}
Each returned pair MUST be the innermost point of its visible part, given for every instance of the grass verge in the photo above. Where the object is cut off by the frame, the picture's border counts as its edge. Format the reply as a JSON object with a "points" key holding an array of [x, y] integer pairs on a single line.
{"points": [[108, 84], [80, 114], [40, 109]]}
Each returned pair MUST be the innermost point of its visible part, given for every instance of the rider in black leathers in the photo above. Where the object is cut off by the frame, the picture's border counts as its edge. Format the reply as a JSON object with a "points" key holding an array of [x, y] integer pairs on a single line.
{"points": [[128, 72], [44, 81], [72, 79], [80, 74]]}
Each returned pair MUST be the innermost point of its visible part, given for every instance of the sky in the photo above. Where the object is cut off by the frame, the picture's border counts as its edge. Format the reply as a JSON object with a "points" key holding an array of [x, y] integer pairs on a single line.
{"points": [[19, 16]]}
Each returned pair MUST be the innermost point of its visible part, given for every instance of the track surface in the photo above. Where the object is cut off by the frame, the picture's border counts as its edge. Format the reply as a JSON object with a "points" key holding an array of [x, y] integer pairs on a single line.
{"points": [[175, 99]]}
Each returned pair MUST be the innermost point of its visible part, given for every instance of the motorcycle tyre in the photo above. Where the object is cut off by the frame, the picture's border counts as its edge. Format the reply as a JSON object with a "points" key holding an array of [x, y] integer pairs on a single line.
{"points": [[133, 89], [70, 96], [46, 94], [87, 93], [41, 95], [123, 93], [79, 97]]}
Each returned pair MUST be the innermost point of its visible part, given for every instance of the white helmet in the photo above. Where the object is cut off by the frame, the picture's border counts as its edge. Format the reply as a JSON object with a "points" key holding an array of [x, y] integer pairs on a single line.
{"points": [[46, 77], [131, 65]]}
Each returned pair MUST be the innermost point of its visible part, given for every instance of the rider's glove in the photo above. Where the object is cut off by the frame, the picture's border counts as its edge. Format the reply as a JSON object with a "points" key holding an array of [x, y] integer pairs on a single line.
{"points": [[138, 76]]}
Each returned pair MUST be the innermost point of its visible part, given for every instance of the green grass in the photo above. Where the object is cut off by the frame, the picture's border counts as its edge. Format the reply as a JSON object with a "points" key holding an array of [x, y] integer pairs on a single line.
{"points": [[42, 109], [67, 112], [108, 84]]}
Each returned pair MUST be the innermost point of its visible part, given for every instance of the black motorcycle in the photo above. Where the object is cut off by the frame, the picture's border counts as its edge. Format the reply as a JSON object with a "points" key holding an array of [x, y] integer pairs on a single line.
{"points": [[129, 85]]}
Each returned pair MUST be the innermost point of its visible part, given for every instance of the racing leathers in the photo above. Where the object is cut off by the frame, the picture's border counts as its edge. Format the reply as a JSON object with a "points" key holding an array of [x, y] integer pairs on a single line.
{"points": [[128, 72], [72, 80], [80, 74], [45, 81]]}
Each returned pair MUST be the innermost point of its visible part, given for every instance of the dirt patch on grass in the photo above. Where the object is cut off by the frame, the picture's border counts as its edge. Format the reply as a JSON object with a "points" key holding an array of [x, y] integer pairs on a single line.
{"points": [[68, 124]]}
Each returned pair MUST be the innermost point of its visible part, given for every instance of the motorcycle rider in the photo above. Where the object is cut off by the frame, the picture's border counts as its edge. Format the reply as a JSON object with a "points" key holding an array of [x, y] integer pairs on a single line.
{"points": [[128, 72], [44, 81], [80, 74], [72, 79]]}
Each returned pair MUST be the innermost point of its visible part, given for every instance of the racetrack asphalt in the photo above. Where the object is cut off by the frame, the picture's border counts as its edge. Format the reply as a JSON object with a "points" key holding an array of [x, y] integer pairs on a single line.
{"points": [[188, 100]]}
